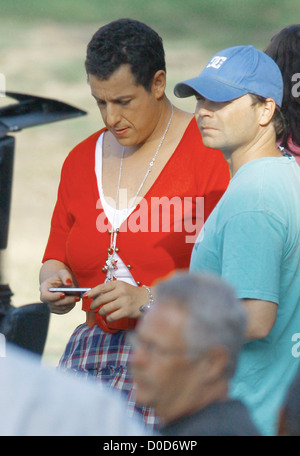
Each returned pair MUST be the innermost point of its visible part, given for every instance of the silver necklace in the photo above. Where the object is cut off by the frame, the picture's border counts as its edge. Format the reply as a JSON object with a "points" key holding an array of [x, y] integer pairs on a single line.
{"points": [[111, 263]]}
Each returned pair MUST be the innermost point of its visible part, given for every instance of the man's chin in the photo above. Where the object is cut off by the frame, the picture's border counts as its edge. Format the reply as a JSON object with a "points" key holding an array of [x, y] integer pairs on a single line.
{"points": [[143, 397], [209, 142]]}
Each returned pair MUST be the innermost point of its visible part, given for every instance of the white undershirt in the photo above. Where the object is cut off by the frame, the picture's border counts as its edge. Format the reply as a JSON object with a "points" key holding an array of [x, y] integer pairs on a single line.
{"points": [[115, 217]]}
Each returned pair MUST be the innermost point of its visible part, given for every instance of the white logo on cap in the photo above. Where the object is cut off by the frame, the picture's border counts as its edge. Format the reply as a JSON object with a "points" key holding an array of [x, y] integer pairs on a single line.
{"points": [[216, 62]]}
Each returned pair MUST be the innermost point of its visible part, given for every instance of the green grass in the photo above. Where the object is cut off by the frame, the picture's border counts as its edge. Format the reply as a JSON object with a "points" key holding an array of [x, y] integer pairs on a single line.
{"points": [[214, 23]]}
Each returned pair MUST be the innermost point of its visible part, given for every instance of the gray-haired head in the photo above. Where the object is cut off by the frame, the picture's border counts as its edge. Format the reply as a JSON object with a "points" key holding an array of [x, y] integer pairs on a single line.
{"points": [[215, 316]]}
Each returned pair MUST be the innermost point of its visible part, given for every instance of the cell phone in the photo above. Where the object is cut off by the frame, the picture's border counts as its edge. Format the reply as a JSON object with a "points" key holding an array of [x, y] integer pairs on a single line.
{"points": [[69, 290]]}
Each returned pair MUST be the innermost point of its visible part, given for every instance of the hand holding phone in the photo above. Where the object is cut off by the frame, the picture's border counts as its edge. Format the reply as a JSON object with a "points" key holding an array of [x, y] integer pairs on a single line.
{"points": [[70, 291]]}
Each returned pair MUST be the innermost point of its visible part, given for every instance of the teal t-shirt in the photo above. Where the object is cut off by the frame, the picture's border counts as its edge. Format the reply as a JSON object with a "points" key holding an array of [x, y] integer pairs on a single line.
{"points": [[252, 240]]}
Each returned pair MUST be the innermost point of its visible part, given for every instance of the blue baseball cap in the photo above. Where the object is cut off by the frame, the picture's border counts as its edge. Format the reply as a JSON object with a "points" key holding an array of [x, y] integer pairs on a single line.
{"points": [[234, 72]]}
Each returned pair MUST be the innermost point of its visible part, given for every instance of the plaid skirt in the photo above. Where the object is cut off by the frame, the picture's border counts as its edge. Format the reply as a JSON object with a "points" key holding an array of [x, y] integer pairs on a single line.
{"points": [[91, 352]]}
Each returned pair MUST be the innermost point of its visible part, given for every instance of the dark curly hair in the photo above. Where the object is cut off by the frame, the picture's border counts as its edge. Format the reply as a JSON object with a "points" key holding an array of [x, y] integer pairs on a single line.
{"points": [[284, 48], [126, 41]]}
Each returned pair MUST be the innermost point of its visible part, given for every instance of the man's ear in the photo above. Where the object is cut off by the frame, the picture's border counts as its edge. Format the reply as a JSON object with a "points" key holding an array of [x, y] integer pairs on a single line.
{"points": [[267, 113], [219, 358], [213, 365], [159, 84]]}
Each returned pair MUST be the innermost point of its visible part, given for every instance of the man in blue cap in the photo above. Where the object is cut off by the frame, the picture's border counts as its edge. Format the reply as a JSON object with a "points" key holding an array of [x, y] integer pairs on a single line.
{"points": [[252, 238]]}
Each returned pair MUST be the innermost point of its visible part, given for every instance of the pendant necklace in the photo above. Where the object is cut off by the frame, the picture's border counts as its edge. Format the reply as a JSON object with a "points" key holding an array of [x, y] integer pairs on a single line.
{"points": [[111, 263]]}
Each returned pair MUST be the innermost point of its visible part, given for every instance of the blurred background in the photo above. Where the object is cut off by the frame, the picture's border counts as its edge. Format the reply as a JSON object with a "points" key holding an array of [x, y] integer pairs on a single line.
{"points": [[42, 52]]}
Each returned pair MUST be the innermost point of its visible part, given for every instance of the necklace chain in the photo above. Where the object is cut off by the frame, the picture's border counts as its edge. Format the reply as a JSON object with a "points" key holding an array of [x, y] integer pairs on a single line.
{"points": [[110, 265]]}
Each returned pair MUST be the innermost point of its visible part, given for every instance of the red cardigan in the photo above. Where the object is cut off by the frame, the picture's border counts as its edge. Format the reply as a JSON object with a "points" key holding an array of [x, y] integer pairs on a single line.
{"points": [[153, 250]]}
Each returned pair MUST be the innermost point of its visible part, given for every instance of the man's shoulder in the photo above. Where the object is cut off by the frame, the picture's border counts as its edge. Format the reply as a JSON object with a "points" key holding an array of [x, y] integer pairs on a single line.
{"points": [[212, 420]]}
